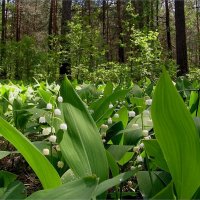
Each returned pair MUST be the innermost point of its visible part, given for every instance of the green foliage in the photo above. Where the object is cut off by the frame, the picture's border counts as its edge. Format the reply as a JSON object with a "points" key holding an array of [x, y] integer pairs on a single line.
{"points": [[81, 189], [110, 128], [24, 60], [44, 170], [81, 144], [177, 136], [143, 49], [86, 46]]}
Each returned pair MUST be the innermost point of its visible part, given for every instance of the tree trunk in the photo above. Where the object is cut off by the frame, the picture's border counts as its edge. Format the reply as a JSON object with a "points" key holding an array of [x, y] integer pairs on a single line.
{"points": [[105, 29], [139, 7], [121, 56], [18, 35], [66, 16], [169, 44], [181, 47], [3, 36], [198, 34], [157, 14], [104, 19], [53, 28], [3, 31], [18, 26], [152, 15]]}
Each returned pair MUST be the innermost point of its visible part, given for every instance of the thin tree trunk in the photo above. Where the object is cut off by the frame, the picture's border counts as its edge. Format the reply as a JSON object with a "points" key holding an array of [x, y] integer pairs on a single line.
{"points": [[121, 56], [18, 26], [181, 47], [66, 17], [104, 18], [169, 44], [152, 14], [3, 31], [139, 7], [18, 35], [53, 28], [157, 14], [198, 33], [107, 32]]}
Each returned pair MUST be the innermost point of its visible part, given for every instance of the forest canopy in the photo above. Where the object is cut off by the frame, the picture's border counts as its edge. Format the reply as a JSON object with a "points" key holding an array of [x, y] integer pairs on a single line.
{"points": [[89, 39]]}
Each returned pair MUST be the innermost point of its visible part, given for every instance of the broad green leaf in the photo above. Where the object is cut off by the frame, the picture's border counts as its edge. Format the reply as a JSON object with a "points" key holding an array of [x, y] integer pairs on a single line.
{"points": [[81, 189], [149, 183], [6, 178], [112, 164], [118, 151], [105, 185], [123, 116], [136, 91], [108, 89], [16, 190], [3, 154], [197, 194], [47, 96], [42, 167], [166, 193], [194, 103], [99, 111], [68, 176], [113, 130], [82, 147], [143, 120], [127, 156], [131, 136], [197, 124], [155, 153], [177, 136], [138, 103]]}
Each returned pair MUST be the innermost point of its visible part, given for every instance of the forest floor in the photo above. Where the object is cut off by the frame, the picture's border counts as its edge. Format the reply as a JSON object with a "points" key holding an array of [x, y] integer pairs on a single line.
{"points": [[16, 164]]}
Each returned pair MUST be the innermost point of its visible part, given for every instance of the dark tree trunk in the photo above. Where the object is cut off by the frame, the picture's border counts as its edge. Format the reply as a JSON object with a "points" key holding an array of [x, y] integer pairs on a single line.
{"points": [[169, 44], [66, 17], [3, 36], [53, 28], [181, 47], [105, 29], [139, 7], [157, 14], [3, 31], [104, 19], [120, 31], [18, 34], [198, 34], [152, 15], [18, 26]]}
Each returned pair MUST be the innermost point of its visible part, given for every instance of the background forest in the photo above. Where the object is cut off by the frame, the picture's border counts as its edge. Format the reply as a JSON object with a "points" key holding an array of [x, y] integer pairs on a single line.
{"points": [[99, 40]]}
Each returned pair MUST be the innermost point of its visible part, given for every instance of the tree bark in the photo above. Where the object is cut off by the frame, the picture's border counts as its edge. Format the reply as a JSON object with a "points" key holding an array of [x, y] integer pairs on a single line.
{"points": [[152, 15], [139, 7], [3, 31], [157, 14], [53, 28], [181, 47], [121, 56], [104, 28], [198, 34], [18, 26], [169, 44], [66, 17], [3, 34]]}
